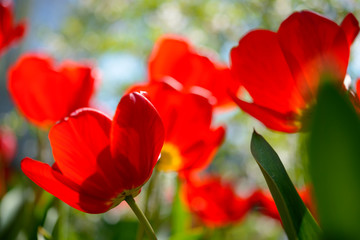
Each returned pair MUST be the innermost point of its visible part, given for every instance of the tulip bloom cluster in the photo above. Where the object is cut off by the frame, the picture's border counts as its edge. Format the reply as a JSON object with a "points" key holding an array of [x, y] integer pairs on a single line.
{"points": [[167, 122]]}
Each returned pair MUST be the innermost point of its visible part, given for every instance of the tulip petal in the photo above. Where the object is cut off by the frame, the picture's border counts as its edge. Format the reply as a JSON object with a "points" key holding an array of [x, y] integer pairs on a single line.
{"points": [[45, 95], [175, 57], [8, 146], [82, 82], [19, 31], [271, 119], [187, 120], [282, 71], [350, 26], [9, 32], [137, 136], [165, 56], [156, 92], [81, 149], [199, 155], [313, 46], [214, 201], [61, 187], [258, 62], [186, 116]]}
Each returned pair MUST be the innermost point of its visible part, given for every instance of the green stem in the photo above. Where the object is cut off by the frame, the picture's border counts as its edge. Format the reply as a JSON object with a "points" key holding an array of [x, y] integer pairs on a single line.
{"points": [[149, 190], [3, 186], [40, 144], [140, 215]]}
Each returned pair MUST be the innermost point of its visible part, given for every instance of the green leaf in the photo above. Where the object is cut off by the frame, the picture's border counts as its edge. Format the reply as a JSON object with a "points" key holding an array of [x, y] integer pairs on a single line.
{"points": [[297, 221], [334, 164]]}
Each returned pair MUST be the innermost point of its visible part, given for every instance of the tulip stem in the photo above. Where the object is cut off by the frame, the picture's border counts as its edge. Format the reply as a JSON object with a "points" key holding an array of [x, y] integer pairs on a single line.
{"points": [[141, 216], [40, 144], [3, 186], [149, 191]]}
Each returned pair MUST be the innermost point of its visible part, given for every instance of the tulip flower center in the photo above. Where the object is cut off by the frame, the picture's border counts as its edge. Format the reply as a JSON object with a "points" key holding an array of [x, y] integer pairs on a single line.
{"points": [[170, 159]]}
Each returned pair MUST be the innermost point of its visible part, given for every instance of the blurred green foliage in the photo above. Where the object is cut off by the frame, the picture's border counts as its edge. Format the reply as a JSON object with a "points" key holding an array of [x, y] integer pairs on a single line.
{"points": [[94, 27]]}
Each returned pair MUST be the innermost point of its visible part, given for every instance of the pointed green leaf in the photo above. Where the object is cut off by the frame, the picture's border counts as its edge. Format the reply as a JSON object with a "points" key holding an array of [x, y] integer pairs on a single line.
{"points": [[297, 220], [334, 164]]}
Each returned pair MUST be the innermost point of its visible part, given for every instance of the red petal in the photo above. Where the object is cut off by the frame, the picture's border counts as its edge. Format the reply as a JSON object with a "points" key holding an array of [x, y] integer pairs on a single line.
{"points": [[157, 92], [358, 88], [187, 120], [8, 146], [81, 80], [350, 26], [281, 71], [81, 149], [258, 62], [9, 33], [19, 31], [313, 46], [137, 136], [61, 187], [199, 155], [271, 119], [214, 202], [175, 57], [45, 95], [186, 116], [223, 81], [164, 57], [264, 203], [306, 194]]}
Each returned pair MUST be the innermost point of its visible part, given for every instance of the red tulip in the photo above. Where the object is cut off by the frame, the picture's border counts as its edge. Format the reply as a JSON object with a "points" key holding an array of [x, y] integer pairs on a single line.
{"points": [[45, 93], [282, 70], [175, 57], [264, 202], [9, 33], [214, 202], [190, 141], [99, 161], [8, 147]]}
